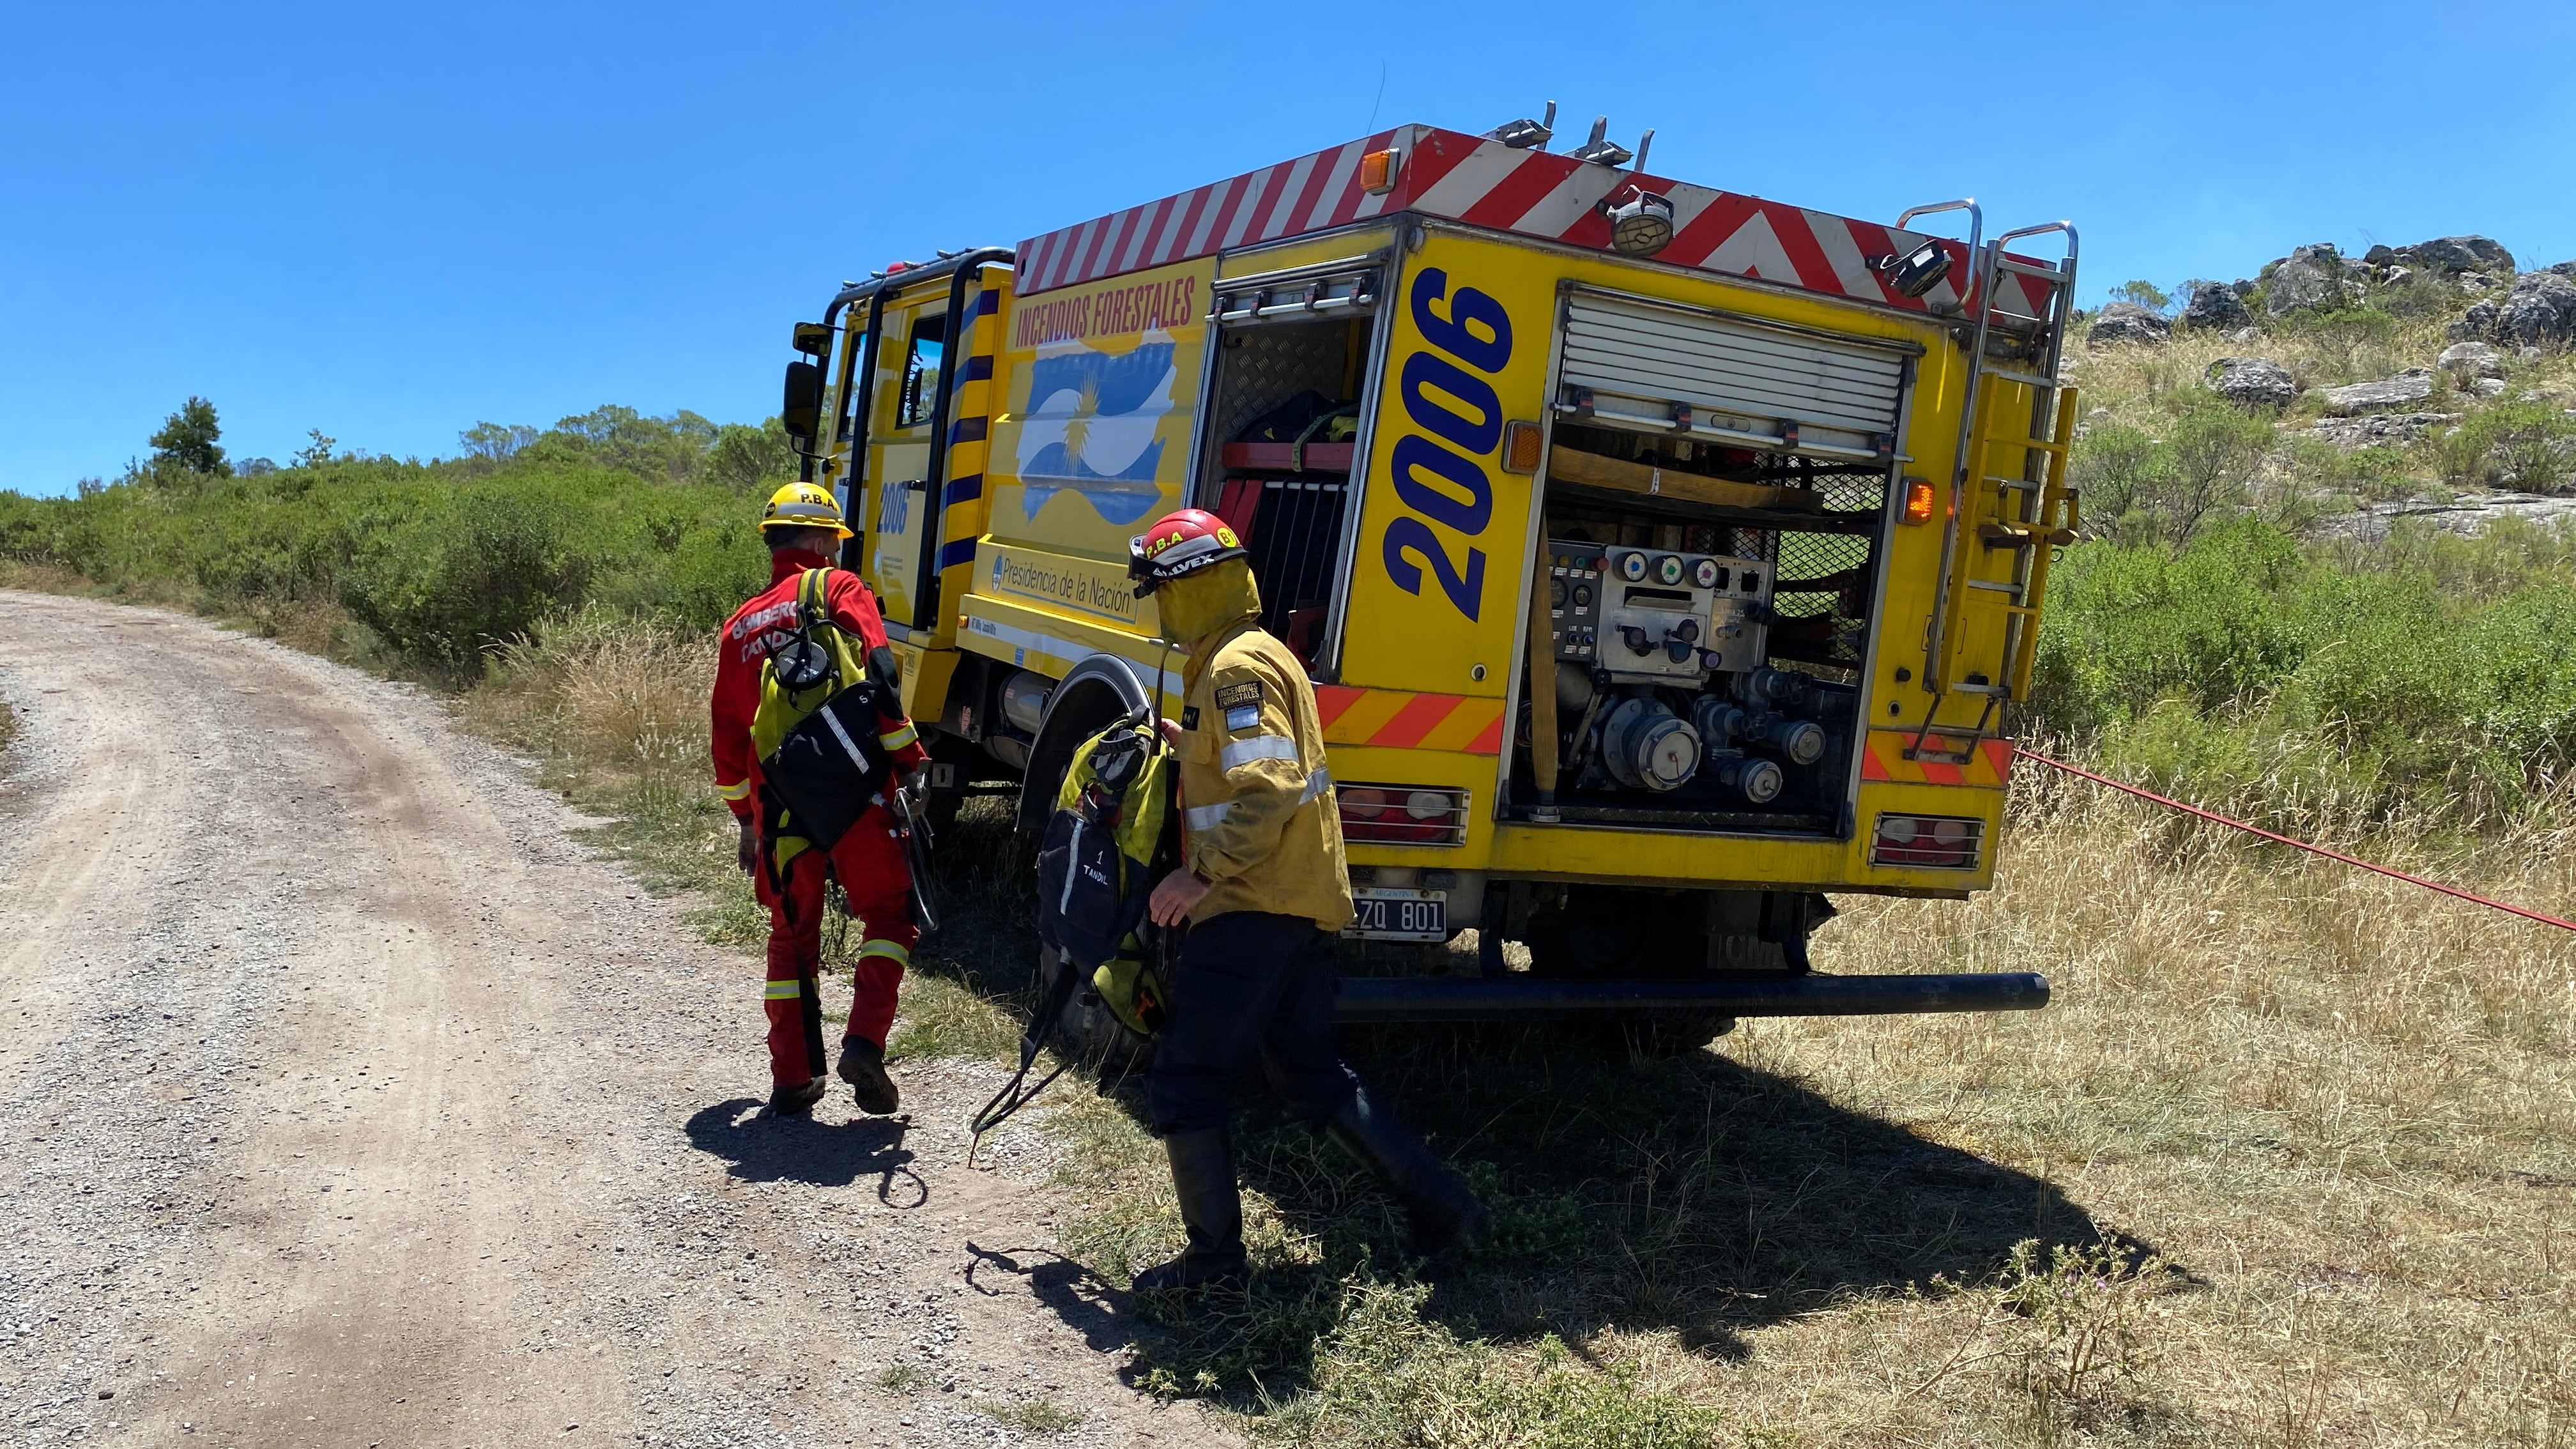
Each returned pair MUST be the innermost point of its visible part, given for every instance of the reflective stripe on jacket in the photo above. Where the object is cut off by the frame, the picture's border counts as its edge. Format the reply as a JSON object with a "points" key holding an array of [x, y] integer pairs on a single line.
{"points": [[1260, 825]]}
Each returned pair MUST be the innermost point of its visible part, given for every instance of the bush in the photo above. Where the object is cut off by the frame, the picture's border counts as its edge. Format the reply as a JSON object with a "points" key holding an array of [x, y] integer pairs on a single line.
{"points": [[441, 560], [2525, 445], [2136, 486], [2436, 673]]}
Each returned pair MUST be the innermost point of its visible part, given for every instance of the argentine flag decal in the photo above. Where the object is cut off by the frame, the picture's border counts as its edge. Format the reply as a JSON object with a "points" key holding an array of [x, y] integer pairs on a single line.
{"points": [[1092, 425]]}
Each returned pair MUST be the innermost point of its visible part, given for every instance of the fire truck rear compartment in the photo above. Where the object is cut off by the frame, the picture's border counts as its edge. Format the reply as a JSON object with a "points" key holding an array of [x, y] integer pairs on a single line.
{"points": [[1715, 500], [1282, 426], [1708, 637]]}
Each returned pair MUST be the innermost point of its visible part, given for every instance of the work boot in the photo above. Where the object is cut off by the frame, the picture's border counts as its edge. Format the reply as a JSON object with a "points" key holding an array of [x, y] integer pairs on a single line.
{"points": [[1211, 1209], [795, 1099], [1443, 1214], [863, 1067]]}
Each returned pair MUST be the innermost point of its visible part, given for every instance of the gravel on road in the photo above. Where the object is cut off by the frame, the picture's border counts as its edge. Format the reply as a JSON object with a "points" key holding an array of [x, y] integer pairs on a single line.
{"points": [[351, 1099]]}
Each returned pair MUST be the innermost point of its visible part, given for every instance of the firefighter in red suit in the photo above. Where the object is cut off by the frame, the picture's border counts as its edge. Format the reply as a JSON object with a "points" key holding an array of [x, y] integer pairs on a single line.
{"points": [[803, 528]]}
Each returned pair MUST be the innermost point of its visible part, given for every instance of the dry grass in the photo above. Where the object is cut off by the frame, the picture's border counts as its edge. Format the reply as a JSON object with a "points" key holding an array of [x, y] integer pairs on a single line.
{"points": [[2287, 1163], [2344, 1107], [2289, 1155]]}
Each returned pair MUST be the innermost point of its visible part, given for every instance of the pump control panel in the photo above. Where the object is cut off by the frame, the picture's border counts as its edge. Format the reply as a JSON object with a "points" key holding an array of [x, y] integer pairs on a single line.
{"points": [[1648, 615]]}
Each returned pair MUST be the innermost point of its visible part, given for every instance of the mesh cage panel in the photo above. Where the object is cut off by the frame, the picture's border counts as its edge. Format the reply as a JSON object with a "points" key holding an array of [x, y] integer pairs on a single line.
{"points": [[1820, 597], [1851, 492]]}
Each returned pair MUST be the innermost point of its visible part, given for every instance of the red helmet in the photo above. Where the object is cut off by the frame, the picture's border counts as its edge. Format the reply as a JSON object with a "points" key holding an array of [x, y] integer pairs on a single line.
{"points": [[1179, 544]]}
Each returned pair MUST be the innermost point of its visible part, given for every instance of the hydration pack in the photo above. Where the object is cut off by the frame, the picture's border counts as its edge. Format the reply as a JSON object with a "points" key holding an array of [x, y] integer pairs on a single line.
{"points": [[1113, 835], [820, 725]]}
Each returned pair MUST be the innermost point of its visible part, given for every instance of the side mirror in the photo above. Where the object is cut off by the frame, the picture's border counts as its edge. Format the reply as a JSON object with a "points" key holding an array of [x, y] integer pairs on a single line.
{"points": [[800, 411], [812, 338]]}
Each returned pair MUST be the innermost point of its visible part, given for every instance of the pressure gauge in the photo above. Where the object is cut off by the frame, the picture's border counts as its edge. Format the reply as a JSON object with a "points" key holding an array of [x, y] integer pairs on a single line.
{"points": [[1705, 573], [1669, 569], [1632, 567]]}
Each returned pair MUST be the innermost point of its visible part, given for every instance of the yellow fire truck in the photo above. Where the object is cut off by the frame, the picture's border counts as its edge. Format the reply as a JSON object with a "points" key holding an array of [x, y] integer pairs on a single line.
{"points": [[1663, 556]]}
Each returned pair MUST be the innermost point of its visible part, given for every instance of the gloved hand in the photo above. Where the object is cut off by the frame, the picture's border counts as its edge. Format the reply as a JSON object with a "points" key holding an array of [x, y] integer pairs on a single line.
{"points": [[746, 852]]}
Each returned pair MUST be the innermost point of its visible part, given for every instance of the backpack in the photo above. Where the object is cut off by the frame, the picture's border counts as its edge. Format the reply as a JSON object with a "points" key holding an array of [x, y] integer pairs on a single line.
{"points": [[1113, 834], [817, 725]]}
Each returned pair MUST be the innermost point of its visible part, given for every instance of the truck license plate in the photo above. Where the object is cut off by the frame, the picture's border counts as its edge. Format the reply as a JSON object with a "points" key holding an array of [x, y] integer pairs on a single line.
{"points": [[1399, 915]]}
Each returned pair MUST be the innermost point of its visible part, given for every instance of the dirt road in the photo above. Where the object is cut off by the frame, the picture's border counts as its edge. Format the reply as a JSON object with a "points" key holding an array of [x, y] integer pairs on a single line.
{"points": [[349, 1100]]}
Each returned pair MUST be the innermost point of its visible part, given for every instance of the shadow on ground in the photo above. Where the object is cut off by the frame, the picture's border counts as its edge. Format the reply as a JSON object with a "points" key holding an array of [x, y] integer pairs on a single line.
{"points": [[1686, 1193], [761, 1148]]}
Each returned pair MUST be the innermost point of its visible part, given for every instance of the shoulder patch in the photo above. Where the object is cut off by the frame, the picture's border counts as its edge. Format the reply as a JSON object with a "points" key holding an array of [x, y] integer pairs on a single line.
{"points": [[1235, 696], [1190, 717]]}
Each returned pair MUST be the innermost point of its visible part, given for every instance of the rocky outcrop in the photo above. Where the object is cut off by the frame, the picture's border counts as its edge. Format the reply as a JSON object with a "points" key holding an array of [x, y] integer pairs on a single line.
{"points": [[2540, 311], [2216, 306], [2471, 359], [2379, 429], [2308, 278], [2458, 254], [2128, 322], [2252, 382], [2389, 393], [2468, 513], [2475, 324]]}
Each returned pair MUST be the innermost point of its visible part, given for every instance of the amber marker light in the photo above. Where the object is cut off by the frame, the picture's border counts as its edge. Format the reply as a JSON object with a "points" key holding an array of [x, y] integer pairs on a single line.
{"points": [[1377, 171], [1918, 500], [1520, 447]]}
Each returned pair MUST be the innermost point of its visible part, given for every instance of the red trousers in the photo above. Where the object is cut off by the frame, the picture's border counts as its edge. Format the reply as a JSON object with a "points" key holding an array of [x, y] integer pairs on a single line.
{"points": [[876, 876]]}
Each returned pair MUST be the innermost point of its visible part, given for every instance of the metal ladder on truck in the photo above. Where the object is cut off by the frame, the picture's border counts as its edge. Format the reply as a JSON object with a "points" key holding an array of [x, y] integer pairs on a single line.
{"points": [[2029, 514]]}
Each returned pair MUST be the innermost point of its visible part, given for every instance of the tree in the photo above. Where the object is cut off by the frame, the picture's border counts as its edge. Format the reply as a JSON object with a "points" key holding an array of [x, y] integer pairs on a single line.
{"points": [[2145, 294], [497, 442], [186, 444], [316, 453]]}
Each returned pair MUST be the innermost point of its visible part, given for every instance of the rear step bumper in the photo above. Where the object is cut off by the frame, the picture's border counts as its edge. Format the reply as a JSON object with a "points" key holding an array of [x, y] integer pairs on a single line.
{"points": [[1418, 998]]}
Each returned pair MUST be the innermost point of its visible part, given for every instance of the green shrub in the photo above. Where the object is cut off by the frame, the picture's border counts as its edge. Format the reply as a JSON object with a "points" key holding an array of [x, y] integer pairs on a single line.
{"points": [[2137, 485], [441, 560], [2525, 445], [2433, 673]]}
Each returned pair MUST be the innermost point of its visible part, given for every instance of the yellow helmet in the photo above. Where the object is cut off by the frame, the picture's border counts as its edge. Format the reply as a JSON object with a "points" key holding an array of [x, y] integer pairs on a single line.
{"points": [[804, 505]]}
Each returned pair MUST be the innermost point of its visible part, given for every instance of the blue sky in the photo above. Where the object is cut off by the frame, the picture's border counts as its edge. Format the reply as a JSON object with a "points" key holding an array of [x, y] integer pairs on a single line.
{"points": [[390, 222]]}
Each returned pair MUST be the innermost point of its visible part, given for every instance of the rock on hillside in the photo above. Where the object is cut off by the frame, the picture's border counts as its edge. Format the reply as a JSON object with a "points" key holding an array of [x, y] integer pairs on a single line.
{"points": [[2128, 322], [2471, 359], [2379, 429], [2540, 311], [2252, 382], [2386, 395], [2458, 254], [2310, 276], [2217, 306]]}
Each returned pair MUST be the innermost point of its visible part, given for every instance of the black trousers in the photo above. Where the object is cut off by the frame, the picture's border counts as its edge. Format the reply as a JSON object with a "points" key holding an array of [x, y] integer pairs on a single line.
{"points": [[1252, 988]]}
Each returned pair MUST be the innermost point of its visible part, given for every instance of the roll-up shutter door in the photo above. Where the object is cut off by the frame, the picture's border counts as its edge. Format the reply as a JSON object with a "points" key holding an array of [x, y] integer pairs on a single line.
{"points": [[1638, 365]]}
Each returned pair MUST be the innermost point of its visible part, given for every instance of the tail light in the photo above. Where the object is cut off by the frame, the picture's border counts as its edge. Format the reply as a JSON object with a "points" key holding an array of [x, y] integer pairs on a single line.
{"points": [[1935, 840], [1918, 500], [1402, 815]]}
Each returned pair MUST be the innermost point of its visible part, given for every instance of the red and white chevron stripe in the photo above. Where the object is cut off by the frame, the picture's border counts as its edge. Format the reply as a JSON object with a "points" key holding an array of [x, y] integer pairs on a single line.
{"points": [[1485, 183]]}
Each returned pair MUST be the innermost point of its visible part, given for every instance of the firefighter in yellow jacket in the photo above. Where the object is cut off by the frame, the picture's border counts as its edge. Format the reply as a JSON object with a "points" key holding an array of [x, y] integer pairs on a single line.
{"points": [[1264, 890]]}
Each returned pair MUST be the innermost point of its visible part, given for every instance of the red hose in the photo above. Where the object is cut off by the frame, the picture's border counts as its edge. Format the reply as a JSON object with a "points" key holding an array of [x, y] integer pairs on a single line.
{"points": [[2216, 818]]}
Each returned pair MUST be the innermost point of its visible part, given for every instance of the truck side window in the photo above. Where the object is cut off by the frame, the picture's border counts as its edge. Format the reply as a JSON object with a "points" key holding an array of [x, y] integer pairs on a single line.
{"points": [[921, 373]]}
